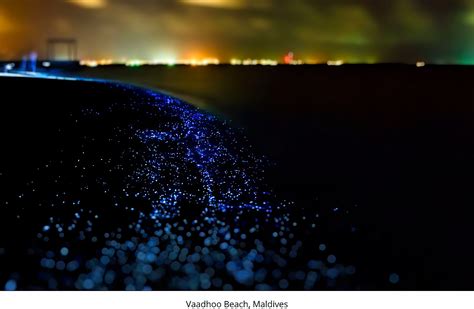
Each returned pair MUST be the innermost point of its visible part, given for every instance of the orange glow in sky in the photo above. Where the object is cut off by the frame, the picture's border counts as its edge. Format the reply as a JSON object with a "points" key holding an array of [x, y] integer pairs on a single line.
{"points": [[216, 3], [89, 4]]}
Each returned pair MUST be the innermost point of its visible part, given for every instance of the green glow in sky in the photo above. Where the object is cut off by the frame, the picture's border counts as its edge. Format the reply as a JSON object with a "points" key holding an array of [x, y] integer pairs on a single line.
{"points": [[358, 30]]}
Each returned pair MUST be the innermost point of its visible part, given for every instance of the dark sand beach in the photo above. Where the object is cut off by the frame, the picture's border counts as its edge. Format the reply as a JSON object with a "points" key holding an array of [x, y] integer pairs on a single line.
{"points": [[113, 187], [380, 158], [395, 140]]}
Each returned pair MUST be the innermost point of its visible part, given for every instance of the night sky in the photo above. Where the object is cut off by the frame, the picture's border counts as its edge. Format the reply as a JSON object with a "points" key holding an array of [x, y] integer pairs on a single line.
{"points": [[353, 30]]}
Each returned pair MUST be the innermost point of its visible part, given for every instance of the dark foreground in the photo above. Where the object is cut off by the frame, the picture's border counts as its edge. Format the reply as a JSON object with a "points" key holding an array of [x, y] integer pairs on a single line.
{"points": [[379, 159], [110, 187], [395, 140]]}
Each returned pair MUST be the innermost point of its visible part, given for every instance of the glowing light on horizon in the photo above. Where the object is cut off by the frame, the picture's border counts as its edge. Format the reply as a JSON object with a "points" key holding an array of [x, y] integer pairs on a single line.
{"points": [[289, 58], [335, 62], [95, 63], [89, 63], [235, 61], [187, 61], [135, 63], [420, 64], [140, 62], [168, 62]]}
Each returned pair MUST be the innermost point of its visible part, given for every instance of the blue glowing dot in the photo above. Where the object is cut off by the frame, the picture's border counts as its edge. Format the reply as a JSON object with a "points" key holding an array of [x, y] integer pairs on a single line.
{"points": [[332, 273], [64, 251], [88, 284], [394, 278], [10, 285], [72, 266], [244, 277], [332, 259], [322, 247]]}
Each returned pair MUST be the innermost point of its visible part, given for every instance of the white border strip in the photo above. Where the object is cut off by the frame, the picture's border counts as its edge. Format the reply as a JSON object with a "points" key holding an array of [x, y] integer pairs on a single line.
{"points": [[295, 300]]}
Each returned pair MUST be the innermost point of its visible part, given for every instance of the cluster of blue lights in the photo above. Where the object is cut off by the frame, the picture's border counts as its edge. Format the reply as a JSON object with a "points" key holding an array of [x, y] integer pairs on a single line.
{"points": [[151, 193]]}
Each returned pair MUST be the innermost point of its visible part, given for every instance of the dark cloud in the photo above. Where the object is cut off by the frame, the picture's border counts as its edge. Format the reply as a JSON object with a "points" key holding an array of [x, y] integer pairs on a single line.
{"points": [[359, 30]]}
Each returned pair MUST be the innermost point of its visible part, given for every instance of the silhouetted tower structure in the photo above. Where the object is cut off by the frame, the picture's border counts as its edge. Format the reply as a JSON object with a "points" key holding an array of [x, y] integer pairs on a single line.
{"points": [[71, 48]]}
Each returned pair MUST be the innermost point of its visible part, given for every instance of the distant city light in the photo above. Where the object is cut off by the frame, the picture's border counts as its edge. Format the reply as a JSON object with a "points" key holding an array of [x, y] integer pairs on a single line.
{"points": [[253, 62], [135, 63], [169, 62], [289, 58], [201, 62], [46, 64], [105, 62], [268, 62], [234, 61], [420, 64], [335, 62], [94, 63], [141, 62], [89, 63], [250, 62]]}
